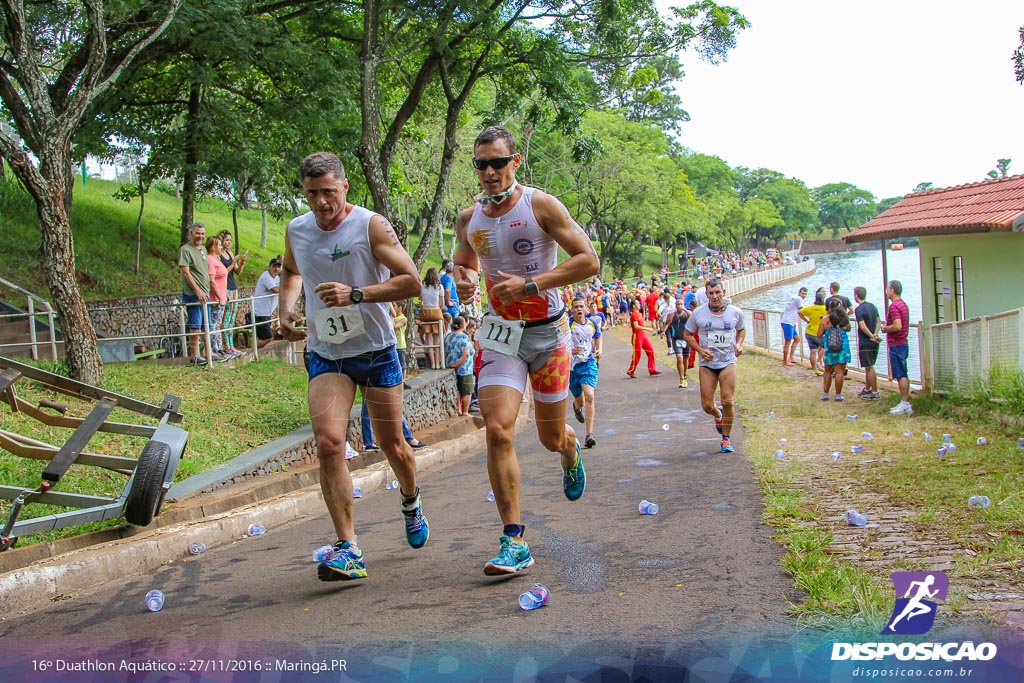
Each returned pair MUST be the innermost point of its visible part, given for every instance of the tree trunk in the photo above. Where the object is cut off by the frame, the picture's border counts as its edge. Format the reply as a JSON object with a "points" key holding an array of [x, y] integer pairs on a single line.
{"points": [[49, 188], [138, 224], [188, 192], [263, 227]]}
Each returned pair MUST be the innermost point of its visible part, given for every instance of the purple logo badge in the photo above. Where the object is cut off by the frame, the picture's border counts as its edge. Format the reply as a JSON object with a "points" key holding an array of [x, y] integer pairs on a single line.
{"points": [[914, 611]]}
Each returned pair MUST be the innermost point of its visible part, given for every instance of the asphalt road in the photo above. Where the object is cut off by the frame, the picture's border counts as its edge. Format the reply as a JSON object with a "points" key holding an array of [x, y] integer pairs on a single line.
{"points": [[629, 593]]}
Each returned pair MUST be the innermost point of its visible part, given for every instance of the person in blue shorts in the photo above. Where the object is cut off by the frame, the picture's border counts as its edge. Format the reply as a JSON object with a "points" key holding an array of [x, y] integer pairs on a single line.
{"points": [[586, 351], [790, 320]]}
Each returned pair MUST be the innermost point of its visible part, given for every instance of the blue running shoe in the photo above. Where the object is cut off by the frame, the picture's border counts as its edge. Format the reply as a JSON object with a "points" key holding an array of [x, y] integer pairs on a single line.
{"points": [[727, 445], [574, 479], [417, 531], [346, 564], [514, 555]]}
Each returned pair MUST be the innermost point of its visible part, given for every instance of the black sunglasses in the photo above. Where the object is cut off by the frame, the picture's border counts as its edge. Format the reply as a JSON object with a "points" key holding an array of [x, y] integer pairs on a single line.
{"points": [[496, 163]]}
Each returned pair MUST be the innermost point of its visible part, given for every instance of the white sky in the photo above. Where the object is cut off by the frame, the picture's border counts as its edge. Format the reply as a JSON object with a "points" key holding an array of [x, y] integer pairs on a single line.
{"points": [[883, 95]]}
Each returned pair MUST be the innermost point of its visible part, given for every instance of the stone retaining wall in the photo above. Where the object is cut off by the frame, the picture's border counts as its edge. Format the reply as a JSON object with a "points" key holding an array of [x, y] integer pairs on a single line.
{"points": [[143, 316]]}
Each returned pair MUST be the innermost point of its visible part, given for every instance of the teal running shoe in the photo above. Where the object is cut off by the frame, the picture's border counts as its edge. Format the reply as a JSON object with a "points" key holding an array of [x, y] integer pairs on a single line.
{"points": [[346, 564], [417, 531], [514, 555], [574, 479]]}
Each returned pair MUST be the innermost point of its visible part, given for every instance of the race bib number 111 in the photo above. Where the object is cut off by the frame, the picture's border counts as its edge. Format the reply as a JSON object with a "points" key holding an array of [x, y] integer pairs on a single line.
{"points": [[498, 334]]}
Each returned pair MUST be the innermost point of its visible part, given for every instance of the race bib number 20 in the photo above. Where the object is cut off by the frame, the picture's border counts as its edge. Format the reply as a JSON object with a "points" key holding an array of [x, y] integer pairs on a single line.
{"points": [[498, 334], [338, 325], [719, 339]]}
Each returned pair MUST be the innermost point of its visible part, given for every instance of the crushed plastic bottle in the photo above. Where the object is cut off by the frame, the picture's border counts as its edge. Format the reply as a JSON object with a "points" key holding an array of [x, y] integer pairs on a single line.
{"points": [[836, 456], [982, 441], [391, 485], [978, 502], [951, 447], [907, 432], [926, 436], [782, 442], [946, 438], [941, 451], [856, 448], [197, 549], [664, 427], [490, 496], [1020, 443], [357, 492], [854, 518], [866, 436], [538, 596], [780, 454], [323, 553], [256, 530], [851, 418], [646, 507], [771, 414], [154, 601]]}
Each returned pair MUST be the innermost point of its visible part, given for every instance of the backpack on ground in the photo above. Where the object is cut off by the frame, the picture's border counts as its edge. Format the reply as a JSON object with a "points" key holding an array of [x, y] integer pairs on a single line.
{"points": [[834, 340]]}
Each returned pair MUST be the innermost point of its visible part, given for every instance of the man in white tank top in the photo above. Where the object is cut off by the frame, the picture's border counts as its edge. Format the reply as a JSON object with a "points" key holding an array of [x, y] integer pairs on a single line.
{"points": [[512, 235], [349, 264]]}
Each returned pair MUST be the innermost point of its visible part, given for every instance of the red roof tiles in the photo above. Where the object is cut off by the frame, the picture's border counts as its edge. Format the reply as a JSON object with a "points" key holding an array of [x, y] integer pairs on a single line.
{"points": [[989, 206]]}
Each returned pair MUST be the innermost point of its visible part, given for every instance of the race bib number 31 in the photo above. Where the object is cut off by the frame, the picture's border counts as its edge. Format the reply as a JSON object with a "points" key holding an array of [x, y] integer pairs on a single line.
{"points": [[498, 334], [719, 339], [338, 325]]}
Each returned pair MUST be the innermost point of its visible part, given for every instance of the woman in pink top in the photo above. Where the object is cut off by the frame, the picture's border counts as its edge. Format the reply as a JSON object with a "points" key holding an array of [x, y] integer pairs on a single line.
{"points": [[218, 296]]}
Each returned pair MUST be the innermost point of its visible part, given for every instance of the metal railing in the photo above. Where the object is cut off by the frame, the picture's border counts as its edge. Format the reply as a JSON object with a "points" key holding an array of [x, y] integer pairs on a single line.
{"points": [[47, 314], [740, 283], [969, 353]]}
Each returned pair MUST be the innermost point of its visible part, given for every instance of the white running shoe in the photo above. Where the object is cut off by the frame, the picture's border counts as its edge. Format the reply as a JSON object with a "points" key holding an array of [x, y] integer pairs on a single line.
{"points": [[902, 408]]}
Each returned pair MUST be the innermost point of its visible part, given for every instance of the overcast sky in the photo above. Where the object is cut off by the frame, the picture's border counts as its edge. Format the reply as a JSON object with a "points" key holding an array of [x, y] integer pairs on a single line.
{"points": [[883, 95]]}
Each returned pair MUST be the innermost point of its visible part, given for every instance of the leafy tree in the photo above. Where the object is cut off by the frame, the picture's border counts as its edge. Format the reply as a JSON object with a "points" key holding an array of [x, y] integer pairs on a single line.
{"points": [[1018, 59], [56, 58], [924, 187], [1001, 170], [888, 203], [843, 205]]}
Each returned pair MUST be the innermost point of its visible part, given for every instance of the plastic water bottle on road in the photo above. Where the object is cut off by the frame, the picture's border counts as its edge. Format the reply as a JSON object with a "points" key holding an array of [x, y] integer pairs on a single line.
{"points": [[357, 492], [256, 530], [978, 502], [646, 507], [537, 596], [982, 441], [926, 436], [197, 549], [490, 496], [323, 553], [866, 436], [154, 601], [851, 418], [856, 448], [854, 518]]}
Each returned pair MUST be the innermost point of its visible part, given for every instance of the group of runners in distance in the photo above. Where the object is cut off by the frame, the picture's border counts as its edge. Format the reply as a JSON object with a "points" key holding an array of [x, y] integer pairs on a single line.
{"points": [[349, 264]]}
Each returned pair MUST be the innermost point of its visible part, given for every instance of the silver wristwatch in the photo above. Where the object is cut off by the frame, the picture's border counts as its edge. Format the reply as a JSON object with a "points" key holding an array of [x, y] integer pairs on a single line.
{"points": [[530, 287]]}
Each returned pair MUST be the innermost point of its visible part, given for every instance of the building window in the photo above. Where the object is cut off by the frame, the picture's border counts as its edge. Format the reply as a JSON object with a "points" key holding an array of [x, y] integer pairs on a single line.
{"points": [[940, 303], [958, 288]]}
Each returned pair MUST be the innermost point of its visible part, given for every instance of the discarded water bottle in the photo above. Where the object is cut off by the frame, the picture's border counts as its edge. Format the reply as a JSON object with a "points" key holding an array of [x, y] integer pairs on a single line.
{"points": [[907, 432], [782, 442], [256, 530], [648, 508], [664, 427], [856, 448], [926, 436], [357, 492], [951, 447], [780, 454], [1020, 443], [836, 456], [978, 502], [197, 549], [982, 441], [391, 485], [946, 438], [866, 436], [537, 596], [854, 518], [941, 451], [490, 496], [771, 414], [323, 553], [851, 418], [154, 601]]}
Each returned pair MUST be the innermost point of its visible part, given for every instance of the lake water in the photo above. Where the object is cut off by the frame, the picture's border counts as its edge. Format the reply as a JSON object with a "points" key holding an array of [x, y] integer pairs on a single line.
{"points": [[863, 268]]}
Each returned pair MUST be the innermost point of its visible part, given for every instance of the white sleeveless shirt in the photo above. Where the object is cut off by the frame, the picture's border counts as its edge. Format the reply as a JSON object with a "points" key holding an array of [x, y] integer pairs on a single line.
{"points": [[341, 255], [515, 244]]}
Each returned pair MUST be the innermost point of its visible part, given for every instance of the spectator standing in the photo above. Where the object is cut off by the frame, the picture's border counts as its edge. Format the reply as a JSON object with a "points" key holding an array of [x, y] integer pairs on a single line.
{"points": [[451, 297], [265, 300], [195, 287], [812, 315], [218, 296], [458, 355], [834, 295], [790, 320], [835, 360], [430, 317], [868, 327], [897, 329], [234, 267]]}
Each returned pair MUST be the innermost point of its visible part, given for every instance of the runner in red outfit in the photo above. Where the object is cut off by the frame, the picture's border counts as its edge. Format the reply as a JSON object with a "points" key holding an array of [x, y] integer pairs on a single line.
{"points": [[640, 342]]}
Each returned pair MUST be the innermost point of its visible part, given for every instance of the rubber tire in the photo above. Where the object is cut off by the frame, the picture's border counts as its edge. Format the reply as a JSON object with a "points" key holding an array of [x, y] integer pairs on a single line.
{"points": [[147, 492]]}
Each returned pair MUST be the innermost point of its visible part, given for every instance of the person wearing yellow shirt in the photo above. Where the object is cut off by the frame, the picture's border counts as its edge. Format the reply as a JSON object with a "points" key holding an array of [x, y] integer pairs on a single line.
{"points": [[812, 315]]}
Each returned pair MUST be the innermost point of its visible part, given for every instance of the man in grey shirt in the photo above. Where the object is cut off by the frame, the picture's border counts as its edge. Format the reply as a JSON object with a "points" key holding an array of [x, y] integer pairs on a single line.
{"points": [[195, 287], [720, 344]]}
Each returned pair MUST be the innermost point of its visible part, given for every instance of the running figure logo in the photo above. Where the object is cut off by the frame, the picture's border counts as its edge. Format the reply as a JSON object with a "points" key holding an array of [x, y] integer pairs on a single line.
{"points": [[914, 613]]}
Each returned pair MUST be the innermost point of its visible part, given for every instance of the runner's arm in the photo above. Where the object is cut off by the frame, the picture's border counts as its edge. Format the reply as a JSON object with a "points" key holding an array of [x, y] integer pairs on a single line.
{"points": [[291, 285], [467, 263]]}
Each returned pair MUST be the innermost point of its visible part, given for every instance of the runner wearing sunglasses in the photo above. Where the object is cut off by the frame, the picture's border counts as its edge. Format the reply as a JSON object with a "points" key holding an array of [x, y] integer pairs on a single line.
{"points": [[513, 234]]}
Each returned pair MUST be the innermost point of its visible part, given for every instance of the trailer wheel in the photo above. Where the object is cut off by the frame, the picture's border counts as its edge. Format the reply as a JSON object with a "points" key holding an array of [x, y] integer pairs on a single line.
{"points": [[147, 492]]}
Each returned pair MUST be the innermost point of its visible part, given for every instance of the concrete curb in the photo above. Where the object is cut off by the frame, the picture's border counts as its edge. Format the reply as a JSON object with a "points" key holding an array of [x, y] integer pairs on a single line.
{"points": [[88, 568]]}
